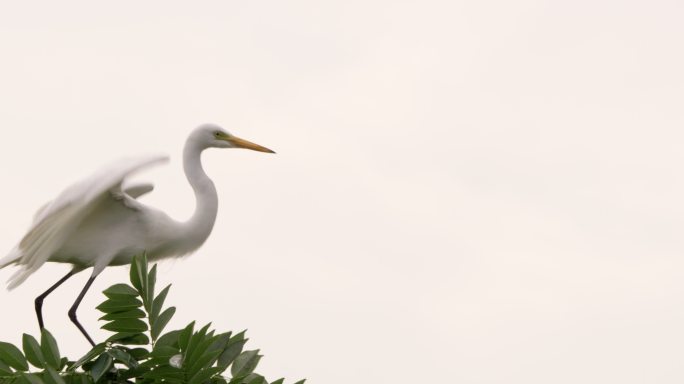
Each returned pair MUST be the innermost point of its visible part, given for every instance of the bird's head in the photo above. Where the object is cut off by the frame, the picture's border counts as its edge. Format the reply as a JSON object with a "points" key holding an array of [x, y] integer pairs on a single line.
{"points": [[213, 136]]}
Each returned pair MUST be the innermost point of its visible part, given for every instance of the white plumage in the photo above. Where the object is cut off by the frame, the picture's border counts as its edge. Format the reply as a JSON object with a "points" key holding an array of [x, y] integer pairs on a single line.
{"points": [[98, 222], [75, 227]]}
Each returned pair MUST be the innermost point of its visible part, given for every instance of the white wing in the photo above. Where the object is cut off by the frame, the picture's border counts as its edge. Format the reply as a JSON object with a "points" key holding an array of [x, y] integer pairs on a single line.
{"points": [[138, 190], [55, 222], [133, 191]]}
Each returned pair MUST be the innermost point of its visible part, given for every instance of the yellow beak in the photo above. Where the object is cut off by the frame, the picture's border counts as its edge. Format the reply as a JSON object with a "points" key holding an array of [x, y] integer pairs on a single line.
{"points": [[242, 143]]}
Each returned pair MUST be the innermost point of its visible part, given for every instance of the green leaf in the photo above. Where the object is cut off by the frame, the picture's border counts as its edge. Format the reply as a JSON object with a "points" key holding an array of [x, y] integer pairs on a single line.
{"points": [[52, 377], [184, 336], [161, 322], [13, 357], [135, 275], [300, 381], [203, 375], [162, 354], [182, 356], [102, 365], [245, 363], [165, 373], [255, 378], [206, 360], [196, 339], [119, 305], [32, 378], [202, 356], [48, 345], [129, 338], [130, 314], [79, 378], [220, 342], [232, 350], [158, 303], [32, 351], [129, 375], [169, 338], [63, 363], [118, 290], [149, 288], [93, 353], [5, 370], [123, 357], [139, 353], [139, 273], [143, 270], [126, 325]]}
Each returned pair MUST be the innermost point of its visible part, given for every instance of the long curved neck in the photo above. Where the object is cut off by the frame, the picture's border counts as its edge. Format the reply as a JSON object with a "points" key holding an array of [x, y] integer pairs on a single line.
{"points": [[202, 221]]}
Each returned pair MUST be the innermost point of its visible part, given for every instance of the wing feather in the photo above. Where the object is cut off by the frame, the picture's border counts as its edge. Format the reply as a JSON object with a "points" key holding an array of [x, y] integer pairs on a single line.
{"points": [[56, 222], [138, 190]]}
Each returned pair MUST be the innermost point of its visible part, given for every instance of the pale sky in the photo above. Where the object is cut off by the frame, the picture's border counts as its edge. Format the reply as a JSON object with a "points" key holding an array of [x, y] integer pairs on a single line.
{"points": [[464, 192]]}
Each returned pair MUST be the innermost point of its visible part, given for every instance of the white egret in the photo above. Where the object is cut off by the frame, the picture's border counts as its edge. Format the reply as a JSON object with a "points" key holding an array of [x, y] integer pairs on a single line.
{"points": [[98, 222]]}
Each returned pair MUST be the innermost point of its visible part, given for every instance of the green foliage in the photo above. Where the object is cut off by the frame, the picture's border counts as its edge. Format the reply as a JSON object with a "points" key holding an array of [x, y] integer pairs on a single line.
{"points": [[138, 351]]}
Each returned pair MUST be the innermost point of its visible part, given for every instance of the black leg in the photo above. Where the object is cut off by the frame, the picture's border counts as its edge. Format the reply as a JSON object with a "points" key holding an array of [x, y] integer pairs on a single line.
{"points": [[72, 311], [39, 299]]}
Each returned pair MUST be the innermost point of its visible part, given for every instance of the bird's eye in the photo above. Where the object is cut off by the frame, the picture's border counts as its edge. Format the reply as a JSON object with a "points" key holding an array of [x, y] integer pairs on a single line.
{"points": [[217, 134]]}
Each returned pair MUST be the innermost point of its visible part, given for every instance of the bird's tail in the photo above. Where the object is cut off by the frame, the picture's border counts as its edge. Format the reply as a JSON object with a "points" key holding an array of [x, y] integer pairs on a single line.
{"points": [[11, 258], [19, 276]]}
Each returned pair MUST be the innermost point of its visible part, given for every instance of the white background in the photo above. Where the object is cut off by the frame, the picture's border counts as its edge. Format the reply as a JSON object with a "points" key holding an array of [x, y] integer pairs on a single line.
{"points": [[464, 192]]}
